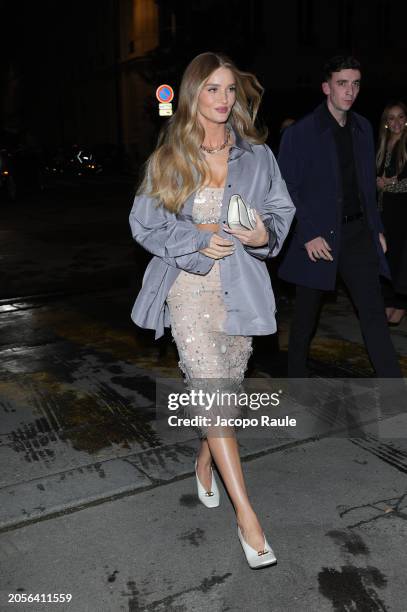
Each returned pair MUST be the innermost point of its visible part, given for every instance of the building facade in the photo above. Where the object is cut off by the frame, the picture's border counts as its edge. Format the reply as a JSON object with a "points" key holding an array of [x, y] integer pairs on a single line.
{"points": [[88, 74]]}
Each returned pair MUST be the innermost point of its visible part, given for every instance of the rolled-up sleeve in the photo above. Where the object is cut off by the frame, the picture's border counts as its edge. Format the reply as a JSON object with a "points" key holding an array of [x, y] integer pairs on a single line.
{"points": [[195, 263], [162, 234], [278, 207]]}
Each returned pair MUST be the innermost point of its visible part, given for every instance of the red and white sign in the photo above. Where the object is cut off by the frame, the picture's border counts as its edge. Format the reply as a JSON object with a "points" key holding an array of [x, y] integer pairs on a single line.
{"points": [[164, 93]]}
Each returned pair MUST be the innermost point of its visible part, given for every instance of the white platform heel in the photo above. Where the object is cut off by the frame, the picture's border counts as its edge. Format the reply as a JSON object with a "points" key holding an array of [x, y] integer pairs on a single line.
{"points": [[257, 559], [210, 499]]}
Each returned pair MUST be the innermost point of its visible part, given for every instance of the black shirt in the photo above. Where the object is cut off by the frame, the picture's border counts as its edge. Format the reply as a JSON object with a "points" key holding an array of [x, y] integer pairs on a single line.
{"points": [[344, 145]]}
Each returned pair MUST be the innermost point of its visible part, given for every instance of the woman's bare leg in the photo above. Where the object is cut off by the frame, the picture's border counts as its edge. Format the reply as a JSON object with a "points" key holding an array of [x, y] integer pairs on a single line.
{"points": [[225, 452], [203, 465], [397, 315], [389, 312], [229, 365]]}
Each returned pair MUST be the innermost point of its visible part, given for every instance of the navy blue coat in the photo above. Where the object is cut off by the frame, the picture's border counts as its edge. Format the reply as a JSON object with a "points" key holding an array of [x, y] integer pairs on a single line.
{"points": [[309, 164]]}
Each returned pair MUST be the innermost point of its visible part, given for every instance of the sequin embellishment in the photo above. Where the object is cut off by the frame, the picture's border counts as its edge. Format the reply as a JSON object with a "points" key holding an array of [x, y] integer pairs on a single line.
{"points": [[198, 313]]}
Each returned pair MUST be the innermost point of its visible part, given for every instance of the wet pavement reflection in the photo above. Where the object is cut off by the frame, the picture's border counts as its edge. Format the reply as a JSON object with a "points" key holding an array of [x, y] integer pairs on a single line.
{"points": [[77, 378]]}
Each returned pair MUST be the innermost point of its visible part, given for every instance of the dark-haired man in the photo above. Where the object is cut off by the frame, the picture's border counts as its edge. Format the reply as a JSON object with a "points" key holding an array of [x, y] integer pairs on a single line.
{"points": [[328, 161]]}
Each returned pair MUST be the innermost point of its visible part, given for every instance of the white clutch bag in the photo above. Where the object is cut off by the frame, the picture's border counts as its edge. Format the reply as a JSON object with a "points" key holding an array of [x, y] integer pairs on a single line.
{"points": [[240, 215]]}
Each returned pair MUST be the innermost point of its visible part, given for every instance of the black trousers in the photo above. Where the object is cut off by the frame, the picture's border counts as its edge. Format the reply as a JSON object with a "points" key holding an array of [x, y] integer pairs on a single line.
{"points": [[358, 266]]}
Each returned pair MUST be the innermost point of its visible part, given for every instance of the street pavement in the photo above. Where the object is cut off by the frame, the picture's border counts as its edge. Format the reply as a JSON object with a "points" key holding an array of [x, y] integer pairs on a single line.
{"points": [[98, 500]]}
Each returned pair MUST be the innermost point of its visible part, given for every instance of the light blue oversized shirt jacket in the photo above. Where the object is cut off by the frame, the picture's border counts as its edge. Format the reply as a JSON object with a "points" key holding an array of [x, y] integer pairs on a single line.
{"points": [[175, 242]]}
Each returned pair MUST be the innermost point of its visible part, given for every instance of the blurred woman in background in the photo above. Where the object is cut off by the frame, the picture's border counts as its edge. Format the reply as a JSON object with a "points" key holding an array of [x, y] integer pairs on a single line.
{"points": [[391, 164]]}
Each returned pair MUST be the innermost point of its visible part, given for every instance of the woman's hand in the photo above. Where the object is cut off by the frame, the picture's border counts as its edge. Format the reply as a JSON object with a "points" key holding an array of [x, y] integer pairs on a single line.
{"points": [[380, 183], [384, 181], [256, 237], [218, 247]]}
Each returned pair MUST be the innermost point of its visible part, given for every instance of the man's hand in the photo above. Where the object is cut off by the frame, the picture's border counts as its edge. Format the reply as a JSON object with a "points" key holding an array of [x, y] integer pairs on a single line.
{"points": [[256, 237], [218, 247], [383, 242], [318, 248]]}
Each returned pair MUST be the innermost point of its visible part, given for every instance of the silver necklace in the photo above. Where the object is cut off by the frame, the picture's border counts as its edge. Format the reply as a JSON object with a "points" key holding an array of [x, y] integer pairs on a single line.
{"points": [[220, 147]]}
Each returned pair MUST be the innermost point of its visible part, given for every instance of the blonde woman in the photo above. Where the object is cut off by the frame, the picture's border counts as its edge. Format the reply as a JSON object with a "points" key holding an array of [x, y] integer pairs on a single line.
{"points": [[207, 281], [392, 183]]}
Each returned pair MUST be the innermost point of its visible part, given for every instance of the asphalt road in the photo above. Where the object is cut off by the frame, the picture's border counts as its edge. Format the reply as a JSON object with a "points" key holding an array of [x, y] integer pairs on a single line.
{"points": [[96, 501]]}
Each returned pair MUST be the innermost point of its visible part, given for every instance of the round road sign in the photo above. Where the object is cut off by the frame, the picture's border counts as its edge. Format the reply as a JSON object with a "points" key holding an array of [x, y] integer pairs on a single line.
{"points": [[164, 93]]}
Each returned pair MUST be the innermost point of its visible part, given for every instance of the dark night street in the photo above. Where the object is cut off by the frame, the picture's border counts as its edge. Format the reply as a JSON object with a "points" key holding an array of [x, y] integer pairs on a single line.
{"points": [[103, 507], [296, 109]]}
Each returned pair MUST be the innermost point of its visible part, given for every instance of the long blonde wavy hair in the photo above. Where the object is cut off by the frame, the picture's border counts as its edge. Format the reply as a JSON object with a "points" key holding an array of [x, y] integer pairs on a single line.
{"points": [[384, 135], [177, 167]]}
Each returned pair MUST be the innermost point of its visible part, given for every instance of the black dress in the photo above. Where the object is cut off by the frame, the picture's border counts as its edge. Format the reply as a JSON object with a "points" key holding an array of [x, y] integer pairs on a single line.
{"points": [[394, 215]]}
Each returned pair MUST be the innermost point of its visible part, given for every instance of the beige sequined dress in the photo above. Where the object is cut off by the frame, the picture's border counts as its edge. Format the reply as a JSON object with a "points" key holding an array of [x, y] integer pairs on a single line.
{"points": [[197, 314]]}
